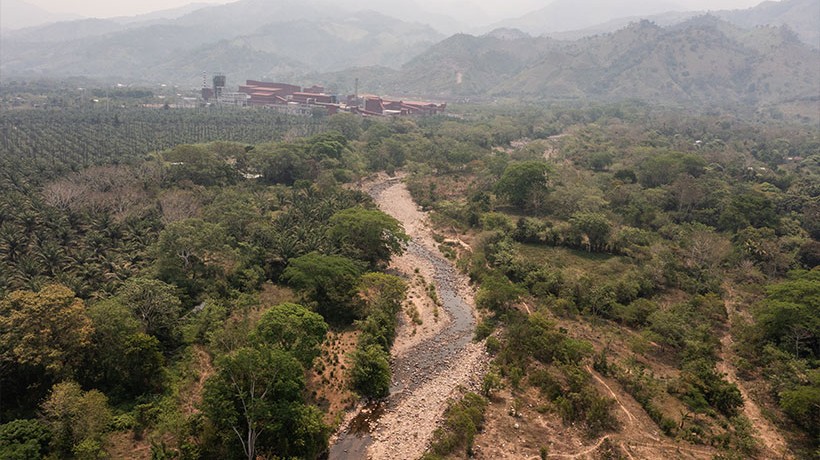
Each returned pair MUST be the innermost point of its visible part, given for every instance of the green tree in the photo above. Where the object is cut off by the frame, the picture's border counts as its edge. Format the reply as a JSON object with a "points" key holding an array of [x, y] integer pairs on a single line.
{"points": [[748, 208], [191, 252], [156, 306], [348, 124], [590, 230], [381, 297], [382, 291], [189, 242], [329, 282], [330, 144], [201, 164], [235, 211], [284, 163], [802, 404], [24, 439], [521, 180], [497, 294], [368, 235], [293, 328], [75, 416], [48, 329], [121, 359], [254, 395], [370, 375], [790, 317]]}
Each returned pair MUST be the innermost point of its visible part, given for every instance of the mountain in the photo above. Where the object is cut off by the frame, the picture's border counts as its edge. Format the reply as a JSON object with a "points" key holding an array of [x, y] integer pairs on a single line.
{"points": [[700, 62], [287, 35], [802, 16], [364, 39], [464, 65], [17, 14], [64, 31], [170, 13], [567, 15]]}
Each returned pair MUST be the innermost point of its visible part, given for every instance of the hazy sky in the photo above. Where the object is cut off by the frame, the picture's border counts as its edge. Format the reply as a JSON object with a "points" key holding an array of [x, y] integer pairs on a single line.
{"points": [[108, 8]]}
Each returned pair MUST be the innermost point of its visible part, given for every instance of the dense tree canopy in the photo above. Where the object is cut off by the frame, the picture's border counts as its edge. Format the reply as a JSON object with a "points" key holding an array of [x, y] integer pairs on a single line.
{"points": [[524, 181], [77, 418], [254, 398], [368, 235], [328, 282], [790, 314], [293, 328], [46, 329]]}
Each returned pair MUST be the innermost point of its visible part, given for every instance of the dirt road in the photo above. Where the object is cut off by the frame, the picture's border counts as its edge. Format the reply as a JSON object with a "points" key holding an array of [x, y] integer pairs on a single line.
{"points": [[427, 370], [772, 443]]}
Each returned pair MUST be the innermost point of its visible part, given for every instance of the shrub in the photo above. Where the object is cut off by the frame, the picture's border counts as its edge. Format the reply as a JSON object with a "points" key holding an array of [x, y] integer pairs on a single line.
{"points": [[462, 420], [370, 375], [493, 345]]}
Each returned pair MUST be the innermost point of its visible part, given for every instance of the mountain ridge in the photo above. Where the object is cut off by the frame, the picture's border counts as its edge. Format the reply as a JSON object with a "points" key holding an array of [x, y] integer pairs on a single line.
{"points": [[699, 63]]}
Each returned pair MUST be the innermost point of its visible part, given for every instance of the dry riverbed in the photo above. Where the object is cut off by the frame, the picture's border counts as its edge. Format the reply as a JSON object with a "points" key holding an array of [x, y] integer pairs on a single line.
{"points": [[432, 361]]}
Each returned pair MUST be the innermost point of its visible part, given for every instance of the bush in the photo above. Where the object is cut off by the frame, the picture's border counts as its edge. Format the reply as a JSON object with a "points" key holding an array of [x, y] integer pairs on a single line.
{"points": [[801, 404], [493, 345], [589, 407], [24, 440], [636, 313], [546, 383], [370, 375], [462, 420], [483, 329]]}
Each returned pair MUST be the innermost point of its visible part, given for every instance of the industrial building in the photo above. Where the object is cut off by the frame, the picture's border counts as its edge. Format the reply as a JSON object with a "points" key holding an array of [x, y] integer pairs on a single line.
{"points": [[285, 96], [375, 106]]}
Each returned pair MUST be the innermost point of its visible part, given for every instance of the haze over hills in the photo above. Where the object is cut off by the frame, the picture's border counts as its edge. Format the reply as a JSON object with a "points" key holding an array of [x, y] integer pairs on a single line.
{"points": [[698, 61], [309, 36], [702, 62], [565, 15], [802, 16], [17, 14]]}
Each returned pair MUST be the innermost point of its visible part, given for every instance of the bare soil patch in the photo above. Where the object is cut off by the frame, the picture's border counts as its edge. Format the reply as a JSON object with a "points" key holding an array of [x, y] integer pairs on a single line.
{"points": [[327, 381]]}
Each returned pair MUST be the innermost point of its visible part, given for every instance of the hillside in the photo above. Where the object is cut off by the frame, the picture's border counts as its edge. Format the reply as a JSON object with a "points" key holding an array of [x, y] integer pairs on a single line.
{"points": [[464, 65], [566, 15], [702, 61], [308, 37], [562, 22], [802, 16]]}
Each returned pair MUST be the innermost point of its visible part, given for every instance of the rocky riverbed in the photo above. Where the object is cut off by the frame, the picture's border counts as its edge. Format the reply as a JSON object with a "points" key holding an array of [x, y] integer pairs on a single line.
{"points": [[426, 372]]}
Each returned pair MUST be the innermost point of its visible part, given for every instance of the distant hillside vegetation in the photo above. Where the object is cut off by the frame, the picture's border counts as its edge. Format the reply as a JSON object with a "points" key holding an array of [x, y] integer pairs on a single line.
{"points": [[573, 19], [702, 61], [246, 39]]}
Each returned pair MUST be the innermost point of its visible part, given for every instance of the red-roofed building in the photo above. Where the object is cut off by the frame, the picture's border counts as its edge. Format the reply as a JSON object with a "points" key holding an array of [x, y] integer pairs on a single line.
{"points": [[291, 97], [284, 88], [379, 106], [313, 98]]}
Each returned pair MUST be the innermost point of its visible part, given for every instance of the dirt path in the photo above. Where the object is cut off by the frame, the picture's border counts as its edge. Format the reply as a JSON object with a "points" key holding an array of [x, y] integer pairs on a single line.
{"points": [[583, 453], [597, 377], [773, 444], [428, 368], [204, 368]]}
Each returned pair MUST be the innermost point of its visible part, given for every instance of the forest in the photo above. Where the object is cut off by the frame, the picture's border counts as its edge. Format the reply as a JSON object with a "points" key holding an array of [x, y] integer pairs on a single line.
{"points": [[197, 284]]}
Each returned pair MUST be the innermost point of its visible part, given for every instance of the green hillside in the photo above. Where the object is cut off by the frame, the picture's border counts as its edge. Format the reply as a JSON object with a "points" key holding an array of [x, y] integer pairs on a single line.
{"points": [[703, 61]]}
